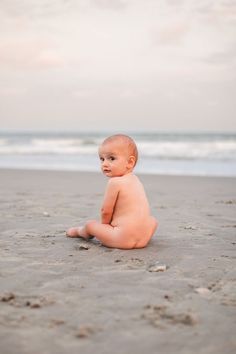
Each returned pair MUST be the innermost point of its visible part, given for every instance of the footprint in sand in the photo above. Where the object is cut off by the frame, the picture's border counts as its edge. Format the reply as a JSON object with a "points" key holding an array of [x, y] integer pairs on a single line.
{"points": [[135, 263], [32, 302], [86, 331], [230, 201], [132, 263], [159, 315]]}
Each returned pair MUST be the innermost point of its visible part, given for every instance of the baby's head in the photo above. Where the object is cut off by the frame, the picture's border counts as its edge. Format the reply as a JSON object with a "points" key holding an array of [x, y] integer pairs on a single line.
{"points": [[118, 149], [125, 143]]}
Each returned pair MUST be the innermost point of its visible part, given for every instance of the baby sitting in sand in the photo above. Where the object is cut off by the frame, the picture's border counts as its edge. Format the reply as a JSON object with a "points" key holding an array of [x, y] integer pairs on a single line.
{"points": [[126, 222]]}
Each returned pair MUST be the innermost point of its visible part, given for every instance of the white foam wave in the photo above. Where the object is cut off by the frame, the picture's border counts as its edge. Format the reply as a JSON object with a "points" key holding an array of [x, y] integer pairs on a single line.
{"points": [[189, 150], [48, 146], [159, 149]]}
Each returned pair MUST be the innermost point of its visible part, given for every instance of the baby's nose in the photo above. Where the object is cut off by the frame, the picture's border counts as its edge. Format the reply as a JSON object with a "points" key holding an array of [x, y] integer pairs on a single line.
{"points": [[104, 163]]}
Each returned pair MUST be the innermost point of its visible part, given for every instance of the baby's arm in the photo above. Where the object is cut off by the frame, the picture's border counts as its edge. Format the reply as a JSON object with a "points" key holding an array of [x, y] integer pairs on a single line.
{"points": [[109, 201]]}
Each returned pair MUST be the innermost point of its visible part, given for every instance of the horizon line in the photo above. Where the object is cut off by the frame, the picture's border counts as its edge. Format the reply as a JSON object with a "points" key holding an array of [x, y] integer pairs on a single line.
{"points": [[116, 131]]}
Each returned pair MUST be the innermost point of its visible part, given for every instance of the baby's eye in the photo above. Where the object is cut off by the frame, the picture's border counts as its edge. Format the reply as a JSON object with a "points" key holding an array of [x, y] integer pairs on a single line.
{"points": [[101, 159], [111, 158]]}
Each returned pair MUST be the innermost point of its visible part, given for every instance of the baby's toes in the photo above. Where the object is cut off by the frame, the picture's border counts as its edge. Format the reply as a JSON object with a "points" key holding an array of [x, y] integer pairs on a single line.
{"points": [[72, 232]]}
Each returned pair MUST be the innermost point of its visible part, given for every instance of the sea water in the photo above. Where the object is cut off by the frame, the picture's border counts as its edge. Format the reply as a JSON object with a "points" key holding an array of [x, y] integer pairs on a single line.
{"points": [[196, 154]]}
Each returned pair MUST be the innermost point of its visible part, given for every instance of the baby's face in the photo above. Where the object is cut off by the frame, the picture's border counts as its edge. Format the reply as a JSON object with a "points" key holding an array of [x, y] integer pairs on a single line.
{"points": [[115, 159]]}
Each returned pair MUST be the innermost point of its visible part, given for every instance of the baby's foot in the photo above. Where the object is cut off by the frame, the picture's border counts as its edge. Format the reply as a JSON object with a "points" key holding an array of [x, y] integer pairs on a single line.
{"points": [[78, 232]]}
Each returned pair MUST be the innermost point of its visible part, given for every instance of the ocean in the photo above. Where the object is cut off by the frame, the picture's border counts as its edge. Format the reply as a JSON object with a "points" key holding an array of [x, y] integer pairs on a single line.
{"points": [[188, 154]]}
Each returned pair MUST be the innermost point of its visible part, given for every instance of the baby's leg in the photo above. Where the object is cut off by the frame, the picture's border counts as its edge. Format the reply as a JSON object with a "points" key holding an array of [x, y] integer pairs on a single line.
{"points": [[109, 236]]}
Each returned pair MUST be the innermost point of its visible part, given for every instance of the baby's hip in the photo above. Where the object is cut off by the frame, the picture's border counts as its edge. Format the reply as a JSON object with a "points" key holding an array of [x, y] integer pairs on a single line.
{"points": [[134, 231]]}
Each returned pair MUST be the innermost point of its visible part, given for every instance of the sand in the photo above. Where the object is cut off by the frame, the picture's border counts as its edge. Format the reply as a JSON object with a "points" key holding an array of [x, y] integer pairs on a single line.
{"points": [[61, 295]]}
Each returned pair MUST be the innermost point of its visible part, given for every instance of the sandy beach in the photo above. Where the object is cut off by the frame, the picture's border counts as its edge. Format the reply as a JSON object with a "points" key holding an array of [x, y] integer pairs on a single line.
{"points": [[61, 295]]}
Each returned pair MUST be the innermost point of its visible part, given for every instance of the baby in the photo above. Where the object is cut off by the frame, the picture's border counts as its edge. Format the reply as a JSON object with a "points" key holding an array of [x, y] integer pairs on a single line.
{"points": [[126, 222]]}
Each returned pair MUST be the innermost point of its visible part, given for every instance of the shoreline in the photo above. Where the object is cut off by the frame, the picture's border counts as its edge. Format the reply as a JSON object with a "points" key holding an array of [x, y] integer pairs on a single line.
{"points": [[151, 174], [59, 294]]}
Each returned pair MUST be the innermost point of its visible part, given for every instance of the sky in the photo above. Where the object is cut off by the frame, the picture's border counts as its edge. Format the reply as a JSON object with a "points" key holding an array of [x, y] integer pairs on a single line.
{"points": [[117, 65]]}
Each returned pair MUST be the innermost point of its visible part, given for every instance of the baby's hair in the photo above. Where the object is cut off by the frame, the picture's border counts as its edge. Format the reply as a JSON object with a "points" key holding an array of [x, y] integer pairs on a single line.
{"points": [[125, 139]]}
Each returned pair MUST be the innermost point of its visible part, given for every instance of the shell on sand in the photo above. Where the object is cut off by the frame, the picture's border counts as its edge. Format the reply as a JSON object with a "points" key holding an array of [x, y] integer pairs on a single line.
{"points": [[156, 267]]}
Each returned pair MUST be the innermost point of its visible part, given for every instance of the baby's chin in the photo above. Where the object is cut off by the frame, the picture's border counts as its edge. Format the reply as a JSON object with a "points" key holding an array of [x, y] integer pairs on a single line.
{"points": [[110, 174], [107, 173]]}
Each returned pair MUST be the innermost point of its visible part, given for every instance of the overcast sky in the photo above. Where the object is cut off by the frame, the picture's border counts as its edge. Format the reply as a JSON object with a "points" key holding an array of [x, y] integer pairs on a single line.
{"points": [[118, 65]]}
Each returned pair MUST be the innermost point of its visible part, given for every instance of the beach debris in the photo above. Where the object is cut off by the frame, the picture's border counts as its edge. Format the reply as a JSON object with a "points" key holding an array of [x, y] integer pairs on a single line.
{"points": [[84, 247], [56, 322], [118, 260], [205, 292], [48, 236], [229, 302], [84, 332], [45, 213], [7, 297], [135, 263], [229, 225], [190, 227], [230, 201], [160, 207], [188, 319], [33, 305], [157, 267], [167, 297], [158, 314], [26, 301]]}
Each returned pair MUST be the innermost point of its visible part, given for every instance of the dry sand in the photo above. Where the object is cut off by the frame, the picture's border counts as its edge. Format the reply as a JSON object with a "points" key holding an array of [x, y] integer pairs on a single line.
{"points": [[61, 295]]}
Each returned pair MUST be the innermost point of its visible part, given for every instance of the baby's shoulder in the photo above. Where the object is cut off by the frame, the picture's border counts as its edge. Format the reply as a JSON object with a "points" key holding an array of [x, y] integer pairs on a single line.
{"points": [[115, 181], [118, 182], [123, 180]]}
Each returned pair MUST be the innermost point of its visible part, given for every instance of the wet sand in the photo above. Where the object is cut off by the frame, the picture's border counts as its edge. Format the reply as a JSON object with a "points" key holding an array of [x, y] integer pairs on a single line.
{"points": [[61, 295]]}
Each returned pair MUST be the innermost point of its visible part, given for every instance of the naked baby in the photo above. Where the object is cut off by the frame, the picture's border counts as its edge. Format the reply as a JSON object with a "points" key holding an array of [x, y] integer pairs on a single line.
{"points": [[126, 222]]}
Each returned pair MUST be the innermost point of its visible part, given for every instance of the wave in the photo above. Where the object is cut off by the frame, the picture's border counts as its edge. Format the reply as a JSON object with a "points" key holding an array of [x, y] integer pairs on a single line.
{"points": [[172, 147], [189, 150]]}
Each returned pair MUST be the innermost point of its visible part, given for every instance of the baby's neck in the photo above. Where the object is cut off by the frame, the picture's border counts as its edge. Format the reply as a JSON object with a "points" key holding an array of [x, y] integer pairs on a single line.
{"points": [[128, 173]]}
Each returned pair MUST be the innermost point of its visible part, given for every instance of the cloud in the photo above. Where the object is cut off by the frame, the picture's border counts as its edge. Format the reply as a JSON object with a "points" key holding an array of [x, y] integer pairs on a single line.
{"points": [[12, 91], [171, 34], [28, 54], [103, 57], [110, 4], [228, 56], [33, 9], [83, 93]]}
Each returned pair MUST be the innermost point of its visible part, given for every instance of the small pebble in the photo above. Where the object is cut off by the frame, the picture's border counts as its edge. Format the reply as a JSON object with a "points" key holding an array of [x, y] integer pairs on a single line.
{"points": [[55, 322], [35, 305], [230, 202], [203, 291], [189, 319], [45, 213], [189, 227], [84, 332], [7, 297], [83, 247]]}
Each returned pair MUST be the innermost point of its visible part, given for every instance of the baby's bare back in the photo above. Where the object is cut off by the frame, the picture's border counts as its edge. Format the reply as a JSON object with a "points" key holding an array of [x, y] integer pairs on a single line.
{"points": [[131, 212]]}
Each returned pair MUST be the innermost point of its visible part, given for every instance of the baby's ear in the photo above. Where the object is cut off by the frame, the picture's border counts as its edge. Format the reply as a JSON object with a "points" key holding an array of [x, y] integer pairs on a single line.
{"points": [[131, 161]]}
